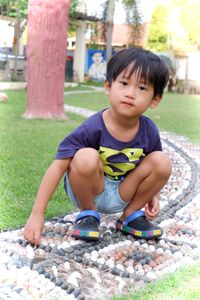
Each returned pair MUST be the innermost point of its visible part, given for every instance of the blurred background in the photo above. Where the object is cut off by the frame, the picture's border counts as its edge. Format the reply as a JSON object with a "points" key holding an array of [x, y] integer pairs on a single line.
{"points": [[97, 29]]}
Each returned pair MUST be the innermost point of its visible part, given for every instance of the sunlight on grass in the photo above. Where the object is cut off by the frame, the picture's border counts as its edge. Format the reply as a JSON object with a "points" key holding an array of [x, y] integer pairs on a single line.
{"points": [[27, 147], [182, 285], [176, 113]]}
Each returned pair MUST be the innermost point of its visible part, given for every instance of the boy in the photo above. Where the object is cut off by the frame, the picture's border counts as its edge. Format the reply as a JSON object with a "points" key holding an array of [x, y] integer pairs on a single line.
{"points": [[113, 162]]}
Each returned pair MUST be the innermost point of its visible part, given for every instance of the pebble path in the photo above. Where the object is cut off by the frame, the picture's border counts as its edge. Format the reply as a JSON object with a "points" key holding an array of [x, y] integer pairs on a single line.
{"points": [[65, 268]]}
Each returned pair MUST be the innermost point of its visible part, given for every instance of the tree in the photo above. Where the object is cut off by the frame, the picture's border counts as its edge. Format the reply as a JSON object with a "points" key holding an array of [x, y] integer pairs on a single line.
{"points": [[110, 8], [157, 32], [175, 26], [46, 55], [13, 8], [134, 19], [184, 29]]}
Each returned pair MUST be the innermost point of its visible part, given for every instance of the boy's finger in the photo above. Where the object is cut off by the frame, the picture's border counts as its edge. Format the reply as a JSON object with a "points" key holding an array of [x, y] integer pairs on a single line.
{"points": [[36, 239]]}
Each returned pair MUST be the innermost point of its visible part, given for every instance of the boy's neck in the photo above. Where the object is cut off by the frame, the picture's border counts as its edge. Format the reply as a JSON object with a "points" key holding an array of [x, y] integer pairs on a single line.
{"points": [[121, 128]]}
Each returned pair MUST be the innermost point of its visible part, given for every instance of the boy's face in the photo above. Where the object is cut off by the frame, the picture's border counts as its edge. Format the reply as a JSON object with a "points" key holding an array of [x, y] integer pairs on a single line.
{"points": [[131, 96]]}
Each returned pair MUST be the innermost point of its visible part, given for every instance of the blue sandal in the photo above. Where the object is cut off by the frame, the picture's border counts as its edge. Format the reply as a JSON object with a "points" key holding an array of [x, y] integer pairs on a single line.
{"points": [[86, 225], [137, 225]]}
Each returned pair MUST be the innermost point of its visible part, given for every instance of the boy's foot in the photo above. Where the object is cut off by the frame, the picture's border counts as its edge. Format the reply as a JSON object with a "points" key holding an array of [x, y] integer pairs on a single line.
{"points": [[137, 225], [86, 226]]}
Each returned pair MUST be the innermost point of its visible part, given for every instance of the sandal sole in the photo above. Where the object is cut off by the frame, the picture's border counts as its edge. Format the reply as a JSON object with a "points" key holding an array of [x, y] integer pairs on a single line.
{"points": [[86, 234], [143, 234]]}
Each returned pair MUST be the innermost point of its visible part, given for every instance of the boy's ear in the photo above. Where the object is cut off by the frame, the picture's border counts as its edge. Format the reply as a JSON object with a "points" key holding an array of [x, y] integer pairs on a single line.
{"points": [[106, 88], [155, 101]]}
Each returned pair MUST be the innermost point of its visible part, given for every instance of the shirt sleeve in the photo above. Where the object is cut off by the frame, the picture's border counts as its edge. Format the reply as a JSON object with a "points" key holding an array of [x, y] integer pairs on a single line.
{"points": [[157, 145], [153, 141], [81, 137]]}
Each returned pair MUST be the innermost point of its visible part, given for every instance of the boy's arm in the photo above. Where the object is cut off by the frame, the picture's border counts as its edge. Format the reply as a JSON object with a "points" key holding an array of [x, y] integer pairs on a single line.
{"points": [[50, 181]]}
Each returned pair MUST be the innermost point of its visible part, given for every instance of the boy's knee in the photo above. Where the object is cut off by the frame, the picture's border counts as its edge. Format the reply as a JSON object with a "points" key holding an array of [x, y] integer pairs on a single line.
{"points": [[85, 161], [161, 164]]}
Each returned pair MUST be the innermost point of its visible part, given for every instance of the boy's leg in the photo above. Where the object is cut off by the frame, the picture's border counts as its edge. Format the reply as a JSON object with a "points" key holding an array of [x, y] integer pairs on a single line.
{"points": [[86, 177], [87, 181], [139, 189], [145, 182]]}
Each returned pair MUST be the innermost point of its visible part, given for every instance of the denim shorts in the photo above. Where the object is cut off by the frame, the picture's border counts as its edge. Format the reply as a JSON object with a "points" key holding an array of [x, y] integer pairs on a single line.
{"points": [[108, 202]]}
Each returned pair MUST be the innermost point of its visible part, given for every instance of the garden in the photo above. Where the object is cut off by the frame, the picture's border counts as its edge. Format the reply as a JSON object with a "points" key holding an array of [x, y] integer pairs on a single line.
{"points": [[27, 147]]}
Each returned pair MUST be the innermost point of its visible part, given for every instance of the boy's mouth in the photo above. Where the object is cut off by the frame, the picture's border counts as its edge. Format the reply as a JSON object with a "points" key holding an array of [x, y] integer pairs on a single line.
{"points": [[127, 103]]}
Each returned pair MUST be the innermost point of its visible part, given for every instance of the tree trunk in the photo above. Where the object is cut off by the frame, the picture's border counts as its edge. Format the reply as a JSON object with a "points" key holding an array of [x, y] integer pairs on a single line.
{"points": [[16, 47], [46, 56], [109, 31]]}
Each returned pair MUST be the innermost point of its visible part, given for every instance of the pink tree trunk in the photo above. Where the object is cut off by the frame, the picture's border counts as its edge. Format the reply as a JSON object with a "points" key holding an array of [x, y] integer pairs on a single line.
{"points": [[46, 55]]}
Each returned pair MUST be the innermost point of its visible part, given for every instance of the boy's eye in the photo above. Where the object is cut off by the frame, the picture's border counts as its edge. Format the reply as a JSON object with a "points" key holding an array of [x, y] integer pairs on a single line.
{"points": [[123, 82], [142, 88]]}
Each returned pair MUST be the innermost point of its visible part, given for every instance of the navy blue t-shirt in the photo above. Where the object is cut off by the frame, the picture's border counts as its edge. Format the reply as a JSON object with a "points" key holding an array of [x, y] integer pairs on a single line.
{"points": [[118, 157]]}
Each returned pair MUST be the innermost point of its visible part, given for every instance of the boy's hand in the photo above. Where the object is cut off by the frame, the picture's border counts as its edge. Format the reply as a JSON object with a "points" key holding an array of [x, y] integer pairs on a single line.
{"points": [[34, 228], [152, 208]]}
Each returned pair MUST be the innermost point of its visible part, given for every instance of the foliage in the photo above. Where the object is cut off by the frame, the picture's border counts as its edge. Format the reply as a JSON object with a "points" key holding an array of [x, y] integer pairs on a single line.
{"points": [[19, 8], [175, 27], [157, 37], [134, 19], [13, 8], [73, 5], [184, 29]]}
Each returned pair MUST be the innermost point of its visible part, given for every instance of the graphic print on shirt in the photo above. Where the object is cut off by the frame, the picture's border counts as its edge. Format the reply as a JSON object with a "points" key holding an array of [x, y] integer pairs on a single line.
{"points": [[117, 163]]}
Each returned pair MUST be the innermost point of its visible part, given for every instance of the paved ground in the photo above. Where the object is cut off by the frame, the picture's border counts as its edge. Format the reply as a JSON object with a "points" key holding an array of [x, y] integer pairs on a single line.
{"points": [[21, 85]]}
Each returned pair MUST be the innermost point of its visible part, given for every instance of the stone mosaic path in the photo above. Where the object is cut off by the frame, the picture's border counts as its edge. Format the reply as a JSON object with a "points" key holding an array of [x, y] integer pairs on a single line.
{"points": [[64, 268]]}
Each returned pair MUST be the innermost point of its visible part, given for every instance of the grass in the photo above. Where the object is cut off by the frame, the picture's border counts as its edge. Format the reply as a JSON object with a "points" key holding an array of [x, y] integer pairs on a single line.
{"points": [[178, 113], [182, 285], [27, 147]]}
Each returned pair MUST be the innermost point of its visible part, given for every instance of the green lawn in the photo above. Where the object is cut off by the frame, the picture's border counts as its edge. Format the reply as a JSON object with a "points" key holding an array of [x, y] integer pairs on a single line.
{"points": [[177, 113], [27, 147], [182, 285]]}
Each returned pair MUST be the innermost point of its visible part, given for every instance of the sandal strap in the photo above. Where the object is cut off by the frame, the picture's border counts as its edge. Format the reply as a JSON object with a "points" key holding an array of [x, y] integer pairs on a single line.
{"points": [[88, 213], [136, 214]]}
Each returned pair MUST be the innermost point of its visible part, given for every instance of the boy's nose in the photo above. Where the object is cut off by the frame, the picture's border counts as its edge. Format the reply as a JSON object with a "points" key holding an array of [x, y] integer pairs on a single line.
{"points": [[130, 92]]}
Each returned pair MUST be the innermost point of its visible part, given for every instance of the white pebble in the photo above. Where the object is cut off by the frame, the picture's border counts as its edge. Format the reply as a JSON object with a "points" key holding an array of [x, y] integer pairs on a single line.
{"points": [[101, 261], [93, 258], [151, 248], [67, 266], [95, 274], [130, 269], [151, 275], [55, 271], [120, 267], [73, 280], [95, 253], [159, 251], [110, 263], [178, 255], [136, 243]]}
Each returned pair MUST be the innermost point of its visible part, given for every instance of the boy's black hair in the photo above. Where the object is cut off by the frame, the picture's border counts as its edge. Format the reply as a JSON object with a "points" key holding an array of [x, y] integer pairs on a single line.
{"points": [[148, 66]]}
